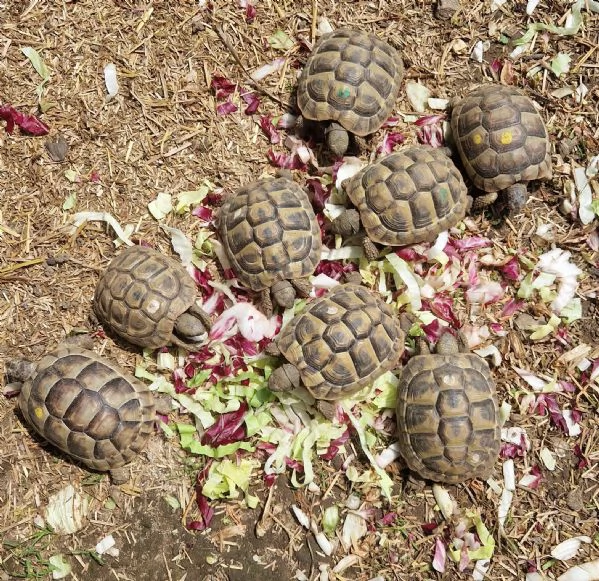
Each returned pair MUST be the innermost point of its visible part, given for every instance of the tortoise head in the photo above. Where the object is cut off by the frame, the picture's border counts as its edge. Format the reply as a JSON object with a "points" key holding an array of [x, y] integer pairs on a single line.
{"points": [[20, 370], [191, 326], [337, 139], [284, 378]]}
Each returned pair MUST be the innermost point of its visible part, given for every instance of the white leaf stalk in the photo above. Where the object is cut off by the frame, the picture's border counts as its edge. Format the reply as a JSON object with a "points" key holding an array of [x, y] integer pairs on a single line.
{"points": [[569, 548]]}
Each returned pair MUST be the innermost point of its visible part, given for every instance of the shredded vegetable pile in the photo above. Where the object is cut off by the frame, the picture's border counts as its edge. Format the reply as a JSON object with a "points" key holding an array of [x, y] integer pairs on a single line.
{"points": [[501, 297]]}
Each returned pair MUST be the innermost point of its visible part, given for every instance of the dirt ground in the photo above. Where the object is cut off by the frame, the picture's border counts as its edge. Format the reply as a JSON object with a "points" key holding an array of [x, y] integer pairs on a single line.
{"points": [[163, 133]]}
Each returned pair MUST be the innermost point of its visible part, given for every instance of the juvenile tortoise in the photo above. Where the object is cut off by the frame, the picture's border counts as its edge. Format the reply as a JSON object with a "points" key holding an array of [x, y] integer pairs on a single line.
{"points": [[503, 143], [338, 344], [148, 299], [403, 198], [352, 79], [447, 413], [271, 237], [86, 406]]}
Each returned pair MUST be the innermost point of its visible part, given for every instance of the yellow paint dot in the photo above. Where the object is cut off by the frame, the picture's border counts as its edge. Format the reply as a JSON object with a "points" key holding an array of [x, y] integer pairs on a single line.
{"points": [[506, 137], [477, 138], [39, 412]]}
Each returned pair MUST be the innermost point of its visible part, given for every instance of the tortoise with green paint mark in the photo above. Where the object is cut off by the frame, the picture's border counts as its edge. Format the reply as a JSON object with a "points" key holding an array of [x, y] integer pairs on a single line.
{"points": [[403, 198], [352, 79]]}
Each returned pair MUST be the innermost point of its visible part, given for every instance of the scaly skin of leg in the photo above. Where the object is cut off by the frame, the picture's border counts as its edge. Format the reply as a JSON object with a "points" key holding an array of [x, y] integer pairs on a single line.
{"points": [[265, 302], [302, 287], [370, 250], [483, 200]]}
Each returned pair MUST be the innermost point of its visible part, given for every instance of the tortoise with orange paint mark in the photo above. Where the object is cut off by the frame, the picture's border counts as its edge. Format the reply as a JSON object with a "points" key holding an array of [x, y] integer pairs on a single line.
{"points": [[503, 143]]}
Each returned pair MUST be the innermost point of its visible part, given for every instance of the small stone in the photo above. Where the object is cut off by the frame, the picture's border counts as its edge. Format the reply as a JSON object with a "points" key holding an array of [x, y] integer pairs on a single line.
{"points": [[447, 8], [574, 500], [57, 148], [566, 146]]}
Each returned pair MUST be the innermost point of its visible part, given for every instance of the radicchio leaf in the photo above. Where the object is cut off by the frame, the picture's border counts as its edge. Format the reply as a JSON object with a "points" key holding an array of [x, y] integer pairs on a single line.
{"points": [[390, 141], [269, 129], [334, 446], [27, 123], [252, 100], [228, 428], [223, 87], [226, 108], [319, 194]]}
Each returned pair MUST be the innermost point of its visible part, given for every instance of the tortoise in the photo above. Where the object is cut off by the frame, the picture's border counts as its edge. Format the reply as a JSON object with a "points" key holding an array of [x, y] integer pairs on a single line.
{"points": [[502, 142], [352, 79], [338, 344], [148, 299], [406, 197], [447, 413], [271, 237], [86, 406]]}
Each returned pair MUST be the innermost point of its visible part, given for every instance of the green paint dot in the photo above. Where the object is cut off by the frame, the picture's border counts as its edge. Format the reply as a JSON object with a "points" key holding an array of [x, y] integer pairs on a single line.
{"points": [[343, 92]]}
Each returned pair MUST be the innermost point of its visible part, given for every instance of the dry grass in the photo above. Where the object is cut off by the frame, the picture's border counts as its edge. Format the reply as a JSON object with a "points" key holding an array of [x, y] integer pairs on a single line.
{"points": [[161, 134]]}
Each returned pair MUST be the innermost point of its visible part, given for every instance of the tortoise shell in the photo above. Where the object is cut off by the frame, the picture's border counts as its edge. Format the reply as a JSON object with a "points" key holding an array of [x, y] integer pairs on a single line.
{"points": [[88, 407], [409, 196], [448, 417], [351, 77], [501, 138], [342, 341], [270, 233], [141, 294]]}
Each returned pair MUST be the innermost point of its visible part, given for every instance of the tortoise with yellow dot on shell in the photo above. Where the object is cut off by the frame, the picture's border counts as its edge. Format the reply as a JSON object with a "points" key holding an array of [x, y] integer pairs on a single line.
{"points": [[406, 197], [502, 141], [338, 344], [87, 406], [447, 413], [352, 79]]}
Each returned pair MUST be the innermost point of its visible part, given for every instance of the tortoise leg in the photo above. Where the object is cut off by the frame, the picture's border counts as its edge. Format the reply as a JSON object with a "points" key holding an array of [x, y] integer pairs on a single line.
{"points": [[422, 346], [337, 139], [347, 223], [119, 475], [370, 250], [483, 200], [516, 196], [462, 342], [265, 302], [302, 286]]}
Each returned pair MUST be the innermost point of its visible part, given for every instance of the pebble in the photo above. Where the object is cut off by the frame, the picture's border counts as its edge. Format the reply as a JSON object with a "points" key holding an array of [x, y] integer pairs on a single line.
{"points": [[447, 8]]}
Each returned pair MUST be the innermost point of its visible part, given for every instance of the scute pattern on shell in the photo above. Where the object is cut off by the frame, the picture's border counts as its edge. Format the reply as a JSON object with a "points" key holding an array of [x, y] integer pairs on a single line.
{"points": [[351, 77], [343, 341], [409, 196], [141, 294], [88, 407], [448, 417], [501, 138], [270, 233]]}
